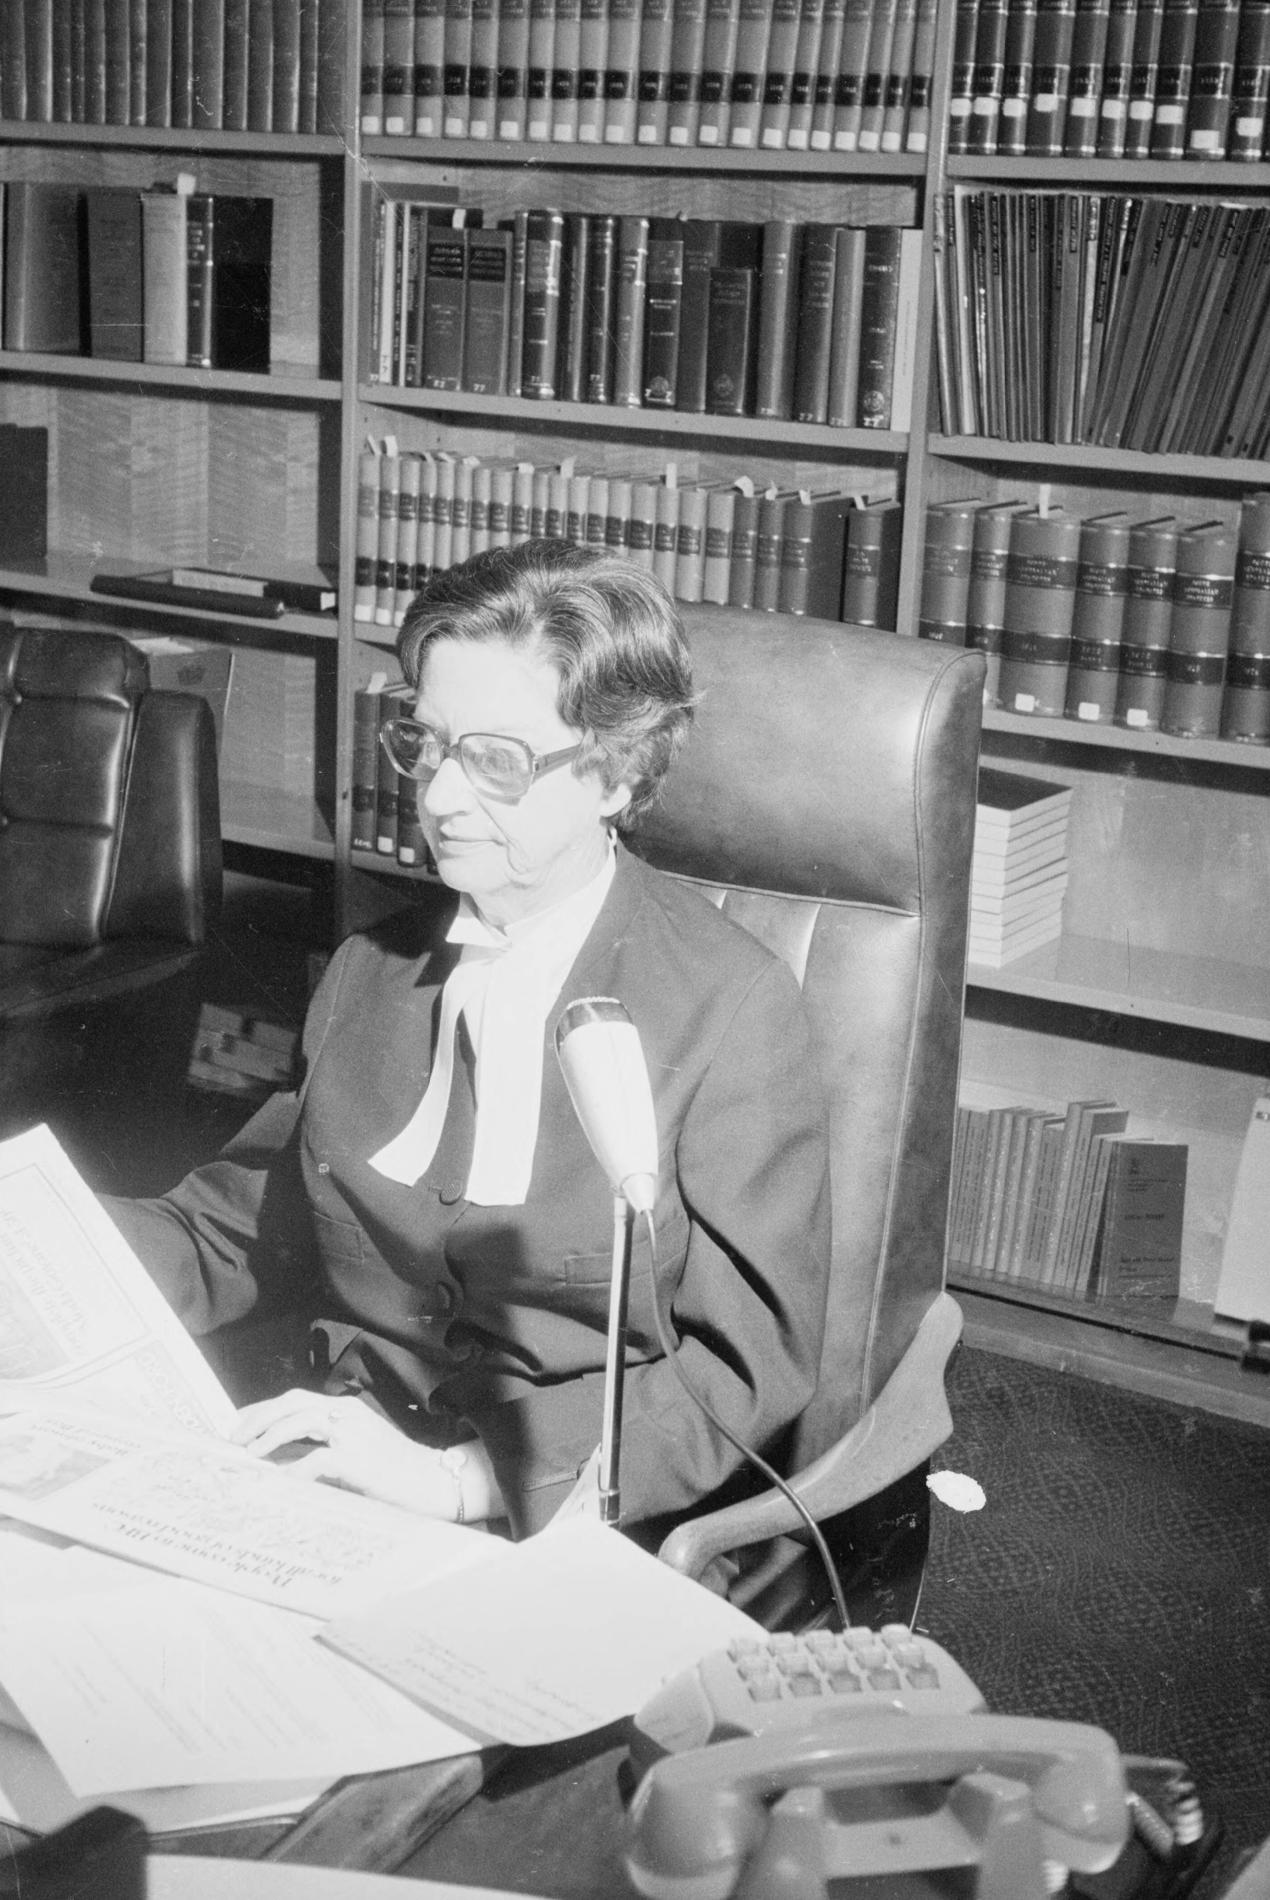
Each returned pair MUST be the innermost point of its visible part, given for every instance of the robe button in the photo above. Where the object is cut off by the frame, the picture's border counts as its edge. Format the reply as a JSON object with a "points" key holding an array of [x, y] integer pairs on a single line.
{"points": [[324, 1167]]}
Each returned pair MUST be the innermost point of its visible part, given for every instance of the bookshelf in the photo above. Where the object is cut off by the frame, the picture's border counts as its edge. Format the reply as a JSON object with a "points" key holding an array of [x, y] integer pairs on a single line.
{"points": [[1158, 991]]}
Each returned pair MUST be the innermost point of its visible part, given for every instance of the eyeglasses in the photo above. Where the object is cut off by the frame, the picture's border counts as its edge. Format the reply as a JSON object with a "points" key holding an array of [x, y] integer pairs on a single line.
{"points": [[497, 767]]}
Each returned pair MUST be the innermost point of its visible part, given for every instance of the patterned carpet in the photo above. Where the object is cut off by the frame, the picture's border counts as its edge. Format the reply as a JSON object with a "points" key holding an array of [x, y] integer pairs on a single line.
{"points": [[1119, 1574]]}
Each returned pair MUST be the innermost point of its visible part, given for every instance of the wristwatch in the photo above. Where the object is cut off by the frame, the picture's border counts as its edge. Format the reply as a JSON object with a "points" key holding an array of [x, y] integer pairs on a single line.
{"points": [[454, 1459]]}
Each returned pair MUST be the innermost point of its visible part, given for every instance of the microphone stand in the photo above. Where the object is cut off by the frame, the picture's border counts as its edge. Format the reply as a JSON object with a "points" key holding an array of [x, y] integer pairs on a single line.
{"points": [[615, 1362]]}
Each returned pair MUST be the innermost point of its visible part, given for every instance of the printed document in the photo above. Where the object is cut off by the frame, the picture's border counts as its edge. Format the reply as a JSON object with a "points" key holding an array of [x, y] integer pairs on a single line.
{"points": [[79, 1315]]}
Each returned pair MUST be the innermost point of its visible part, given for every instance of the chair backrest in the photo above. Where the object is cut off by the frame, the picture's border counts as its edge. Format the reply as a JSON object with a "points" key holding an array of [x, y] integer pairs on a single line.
{"points": [[109, 817], [826, 801]]}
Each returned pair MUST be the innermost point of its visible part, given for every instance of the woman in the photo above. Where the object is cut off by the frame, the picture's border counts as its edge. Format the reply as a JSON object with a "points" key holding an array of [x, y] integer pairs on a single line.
{"points": [[427, 1192]]}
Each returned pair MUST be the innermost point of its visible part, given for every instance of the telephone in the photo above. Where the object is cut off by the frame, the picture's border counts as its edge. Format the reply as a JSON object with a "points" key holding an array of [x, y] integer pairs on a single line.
{"points": [[788, 1763]]}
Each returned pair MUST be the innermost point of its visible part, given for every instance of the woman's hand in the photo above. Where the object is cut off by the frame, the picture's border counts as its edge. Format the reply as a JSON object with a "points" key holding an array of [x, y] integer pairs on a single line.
{"points": [[355, 1447]]}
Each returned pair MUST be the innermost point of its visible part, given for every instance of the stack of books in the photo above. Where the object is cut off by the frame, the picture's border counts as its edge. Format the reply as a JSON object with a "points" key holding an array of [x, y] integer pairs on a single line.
{"points": [[1068, 1199], [236, 1053], [1019, 866]]}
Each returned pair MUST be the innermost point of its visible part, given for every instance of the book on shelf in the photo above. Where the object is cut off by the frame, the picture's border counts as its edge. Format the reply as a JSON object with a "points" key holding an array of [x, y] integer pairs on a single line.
{"points": [[1246, 703], [1137, 1250], [1199, 629], [731, 339], [871, 564], [1051, 77], [1173, 78], [1144, 635], [229, 244], [985, 592], [630, 295], [114, 267], [656, 38], [1117, 79], [43, 267], [1084, 93], [664, 313], [1250, 83], [843, 397], [814, 317], [444, 300], [946, 558], [1040, 588], [762, 77], [487, 310], [987, 79], [813, 547], [779, 315], [687, 44], [1102, 579]]}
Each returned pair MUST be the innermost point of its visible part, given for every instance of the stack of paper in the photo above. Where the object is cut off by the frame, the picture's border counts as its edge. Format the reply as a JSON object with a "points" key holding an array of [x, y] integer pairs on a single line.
{"points": [[1019, 868]]}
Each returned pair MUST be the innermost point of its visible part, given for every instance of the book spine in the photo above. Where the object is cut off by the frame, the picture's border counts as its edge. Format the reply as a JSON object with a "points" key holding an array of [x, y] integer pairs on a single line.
{"points": [[1250, 84], [921, 77], [690, 544], [541, 340], [371, 75], [1089, 50], [683, 108], [1246, 706], [832, 26], [717, 565], [1102, 579], [1148, 26], [767, 550], [1040, 594], [777, 324], [592, 70], [701, 252], [814, 321], [367, 536], [444, 299], [1117, 79], [482, 71], [456, 101], [853, 57], [487, 311], [744, 544], [621, 73], [1016, 81], [961, 96], [365, 768], [763, 83], [652, 97], [1144, 640], [1199, 631], [988, 82], [1212, 78], [397, 73], [601, 300], [1173, 78], [575, 46], [843, 404], [878, 312], [199, 265], [666, 534], [797, 521], [540, 70], [730, 340], [946, 561], [870, 568], [718, 63], [643, 523], [663, 316], [899, 77], [513, 68], [630, 311], [574, 315], [408, 493], [877, 67], [802, 89], [427, 102], [1051, 77]]}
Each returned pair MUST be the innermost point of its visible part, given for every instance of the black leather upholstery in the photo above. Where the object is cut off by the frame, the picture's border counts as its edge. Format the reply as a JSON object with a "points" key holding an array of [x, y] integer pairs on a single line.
{"points": [[826, 800], [110, 851]]}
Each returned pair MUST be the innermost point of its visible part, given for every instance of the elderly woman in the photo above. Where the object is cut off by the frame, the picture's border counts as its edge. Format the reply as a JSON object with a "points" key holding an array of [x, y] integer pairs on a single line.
{"points": [[427, 1193]]}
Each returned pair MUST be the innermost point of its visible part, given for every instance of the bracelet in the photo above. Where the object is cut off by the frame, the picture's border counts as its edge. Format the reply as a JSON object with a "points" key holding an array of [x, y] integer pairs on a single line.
{"points": [[454, 1460]]}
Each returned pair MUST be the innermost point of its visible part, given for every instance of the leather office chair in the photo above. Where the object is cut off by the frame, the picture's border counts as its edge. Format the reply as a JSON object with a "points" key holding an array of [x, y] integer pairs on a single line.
{"points": [[826, 802], [110, 871]]}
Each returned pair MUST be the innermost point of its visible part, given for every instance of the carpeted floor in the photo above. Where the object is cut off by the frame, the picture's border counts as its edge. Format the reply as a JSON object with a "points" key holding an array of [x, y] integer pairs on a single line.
{"points": [[1119, 1574]]}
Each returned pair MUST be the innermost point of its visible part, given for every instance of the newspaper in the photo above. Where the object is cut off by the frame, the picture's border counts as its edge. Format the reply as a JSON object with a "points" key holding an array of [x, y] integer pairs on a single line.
{"points": [[79, 1316]]}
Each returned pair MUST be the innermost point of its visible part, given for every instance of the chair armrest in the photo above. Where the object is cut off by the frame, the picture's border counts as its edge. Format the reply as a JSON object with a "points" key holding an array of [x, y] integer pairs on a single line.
{"points": [[906, 1422]]}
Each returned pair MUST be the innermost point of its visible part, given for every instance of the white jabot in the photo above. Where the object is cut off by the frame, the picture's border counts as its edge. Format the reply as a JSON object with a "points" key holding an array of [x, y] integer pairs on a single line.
{"points": [[503, 985]]}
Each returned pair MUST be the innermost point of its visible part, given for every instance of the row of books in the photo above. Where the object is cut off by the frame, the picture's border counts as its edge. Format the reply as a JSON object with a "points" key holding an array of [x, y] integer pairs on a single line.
{"points": [[758, 75], [384, 802], [157, 275], [1165, 79], [214, 65], [1127, 321], [740, 542], [1018, 872], [809, 322], [1066, 1198], [1151, 624]]}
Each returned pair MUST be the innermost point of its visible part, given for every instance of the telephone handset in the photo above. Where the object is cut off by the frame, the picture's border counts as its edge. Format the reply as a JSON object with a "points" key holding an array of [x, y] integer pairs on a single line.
{"points": [[819, 1785]]}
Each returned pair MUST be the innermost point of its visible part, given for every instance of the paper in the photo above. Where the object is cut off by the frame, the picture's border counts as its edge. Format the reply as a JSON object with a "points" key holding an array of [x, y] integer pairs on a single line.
{"points": [[171, 1685], [78, 1313], [194, 1877], [209, 1511], [576, 1629]]}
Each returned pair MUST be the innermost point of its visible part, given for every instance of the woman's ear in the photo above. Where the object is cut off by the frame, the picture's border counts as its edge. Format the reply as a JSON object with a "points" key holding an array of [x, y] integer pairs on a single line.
{"points": [[615, 801]]}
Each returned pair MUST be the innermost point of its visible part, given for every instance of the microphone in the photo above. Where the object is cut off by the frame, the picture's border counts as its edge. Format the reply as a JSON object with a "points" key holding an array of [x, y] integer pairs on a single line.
{"points": [[599, 1051]]}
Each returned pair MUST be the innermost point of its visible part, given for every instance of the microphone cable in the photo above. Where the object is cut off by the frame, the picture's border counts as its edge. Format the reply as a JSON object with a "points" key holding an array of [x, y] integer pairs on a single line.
{"points": [[669, 1348]]}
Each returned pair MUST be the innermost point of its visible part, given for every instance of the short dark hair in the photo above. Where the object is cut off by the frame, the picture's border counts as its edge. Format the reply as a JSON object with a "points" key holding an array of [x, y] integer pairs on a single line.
{"points": [[609, 628]]}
